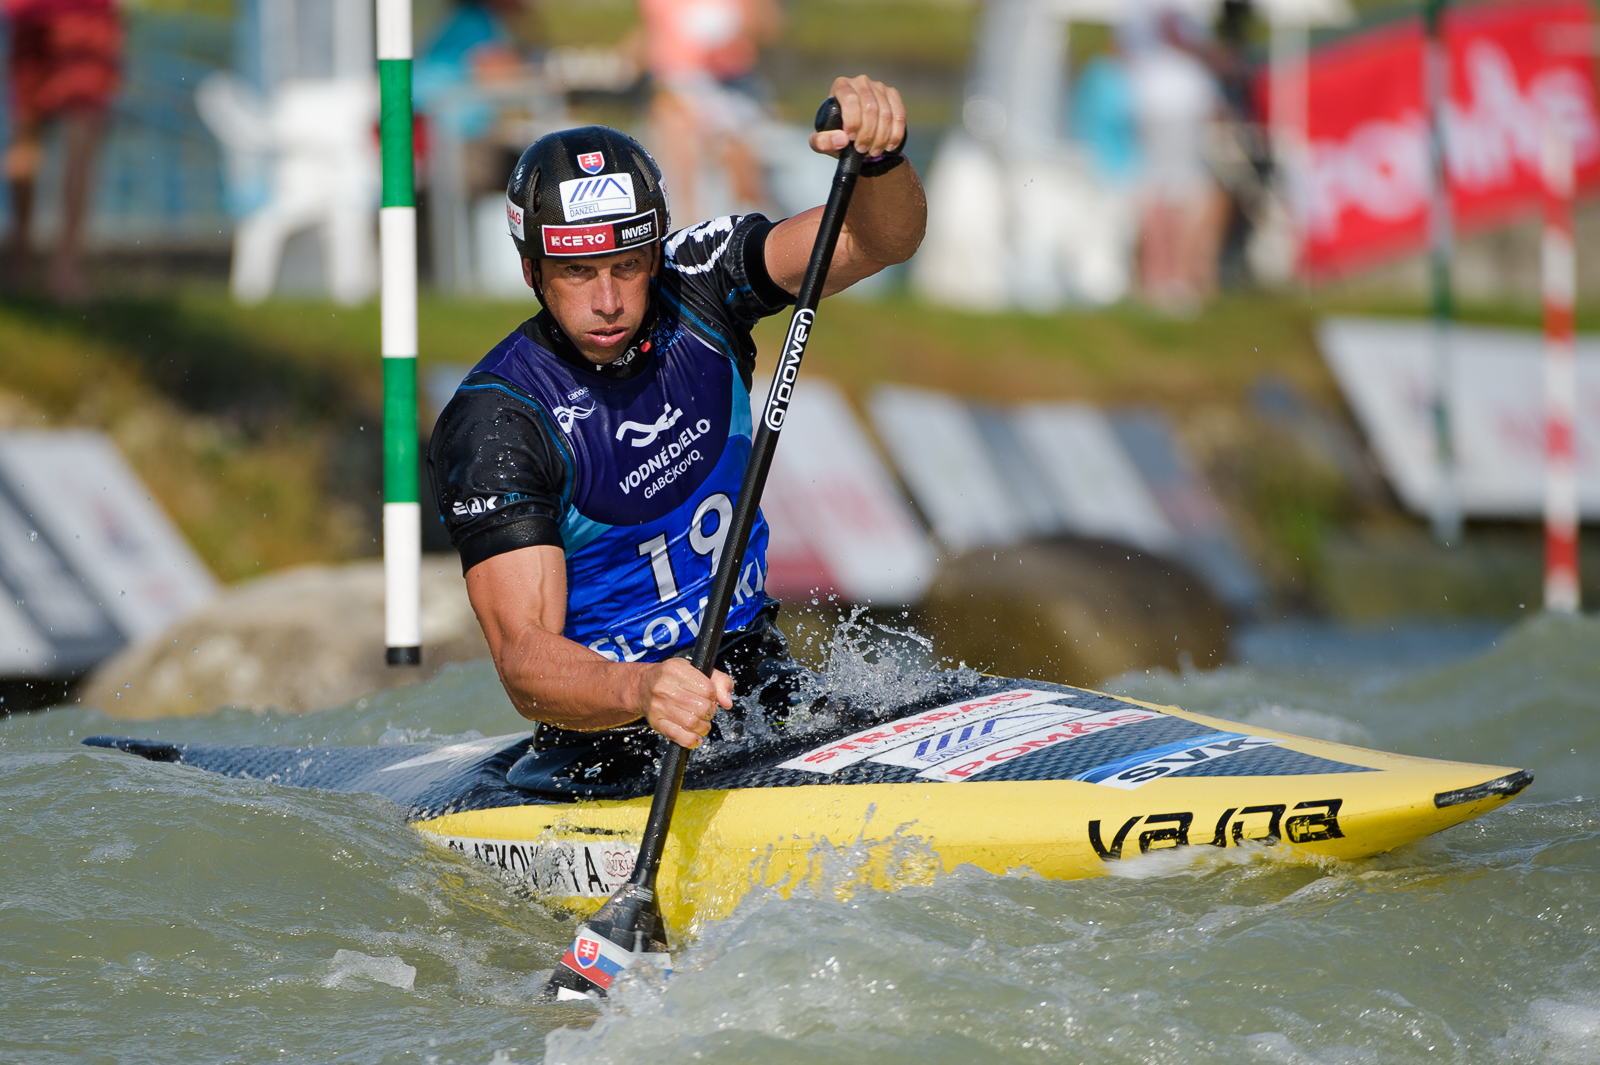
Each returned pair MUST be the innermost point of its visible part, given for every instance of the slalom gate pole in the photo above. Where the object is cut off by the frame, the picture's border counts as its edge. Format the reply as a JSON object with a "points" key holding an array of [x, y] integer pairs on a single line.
{"points": [[1441, 238], [397, 233], [628, 929], [1560, 283]]}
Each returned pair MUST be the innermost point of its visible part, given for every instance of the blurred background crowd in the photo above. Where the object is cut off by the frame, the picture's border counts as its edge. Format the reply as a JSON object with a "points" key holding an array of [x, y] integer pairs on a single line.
{"points": [[166, 135]]}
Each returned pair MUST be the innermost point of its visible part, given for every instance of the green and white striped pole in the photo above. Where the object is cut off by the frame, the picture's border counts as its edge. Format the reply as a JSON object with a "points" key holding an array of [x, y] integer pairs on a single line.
{"points": [[397, 232]]}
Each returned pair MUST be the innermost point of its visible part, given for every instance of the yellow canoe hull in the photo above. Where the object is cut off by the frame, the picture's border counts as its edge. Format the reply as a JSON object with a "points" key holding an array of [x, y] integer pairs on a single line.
{"points": [[724, 844]]}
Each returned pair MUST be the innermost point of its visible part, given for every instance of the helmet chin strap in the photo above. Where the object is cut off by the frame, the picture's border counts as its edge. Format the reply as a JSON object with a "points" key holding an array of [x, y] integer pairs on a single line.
{"points": [[533, 279]]}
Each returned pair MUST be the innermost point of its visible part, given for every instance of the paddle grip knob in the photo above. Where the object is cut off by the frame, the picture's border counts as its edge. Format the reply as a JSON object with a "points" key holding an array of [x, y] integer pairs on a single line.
{"points": [[830, 115]]}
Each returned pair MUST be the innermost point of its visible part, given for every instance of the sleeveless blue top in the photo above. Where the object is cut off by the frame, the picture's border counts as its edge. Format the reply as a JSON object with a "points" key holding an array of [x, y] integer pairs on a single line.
{"points": [[654, 464]]}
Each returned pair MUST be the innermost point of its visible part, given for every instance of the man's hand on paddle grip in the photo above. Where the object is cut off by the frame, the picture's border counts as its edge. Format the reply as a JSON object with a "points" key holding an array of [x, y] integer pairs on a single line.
{"points": [[679, 701], [874, 118]]}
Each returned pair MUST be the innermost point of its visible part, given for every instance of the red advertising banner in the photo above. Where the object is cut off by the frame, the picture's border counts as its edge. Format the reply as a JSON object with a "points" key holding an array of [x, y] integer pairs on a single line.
{"points": [[1513, 66]]}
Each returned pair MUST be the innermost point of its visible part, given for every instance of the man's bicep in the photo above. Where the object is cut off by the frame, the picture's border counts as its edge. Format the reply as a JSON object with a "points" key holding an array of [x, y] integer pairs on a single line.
{"points": [[788, 252], [518, 589], [788, 249]]}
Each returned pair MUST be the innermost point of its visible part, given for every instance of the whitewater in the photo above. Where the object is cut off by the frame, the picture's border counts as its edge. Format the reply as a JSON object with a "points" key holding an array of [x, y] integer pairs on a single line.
{"points": [[157, 913]]}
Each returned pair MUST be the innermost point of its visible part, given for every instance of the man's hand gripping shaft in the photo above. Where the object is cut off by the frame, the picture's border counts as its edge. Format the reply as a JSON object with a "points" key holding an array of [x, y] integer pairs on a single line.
{"points": [[679, 701]]}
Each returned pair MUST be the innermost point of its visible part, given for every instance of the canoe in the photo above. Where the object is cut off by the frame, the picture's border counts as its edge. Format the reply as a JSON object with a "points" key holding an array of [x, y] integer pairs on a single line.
{"points": [[1005, 775]]}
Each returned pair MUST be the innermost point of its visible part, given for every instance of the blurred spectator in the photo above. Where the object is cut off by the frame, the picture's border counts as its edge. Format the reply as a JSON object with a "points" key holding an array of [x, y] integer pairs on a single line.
{"points": [[65, 65], [1183, 212], [1226, 54], [480, 47], [1240, 156], [702, 55], [476, 44], [1104, 119]]}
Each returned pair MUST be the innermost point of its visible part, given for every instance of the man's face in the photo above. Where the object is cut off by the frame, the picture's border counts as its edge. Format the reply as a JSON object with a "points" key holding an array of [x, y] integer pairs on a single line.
{"points": [[598, 301]]}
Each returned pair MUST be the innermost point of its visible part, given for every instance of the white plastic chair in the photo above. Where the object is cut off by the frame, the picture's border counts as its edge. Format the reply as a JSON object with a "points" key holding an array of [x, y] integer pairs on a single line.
{"points": [[315, 141]]}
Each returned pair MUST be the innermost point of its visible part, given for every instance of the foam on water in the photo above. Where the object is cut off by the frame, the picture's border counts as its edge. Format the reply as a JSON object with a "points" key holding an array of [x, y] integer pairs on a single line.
{"points": [[353, 969], [1263, 957], [1558, 1032], [155, 913]]}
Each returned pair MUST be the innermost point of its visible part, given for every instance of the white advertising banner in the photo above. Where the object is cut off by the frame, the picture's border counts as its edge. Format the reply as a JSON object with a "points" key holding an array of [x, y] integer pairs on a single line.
{"points": [[935, 443], [52, 624], [23, 652], [1387, 367], [80, 495], [838, 520], [1088, 476]]}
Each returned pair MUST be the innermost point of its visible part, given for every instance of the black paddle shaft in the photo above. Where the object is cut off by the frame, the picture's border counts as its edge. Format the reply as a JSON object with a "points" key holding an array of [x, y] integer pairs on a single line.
{"points": [[631, 918], [715, 619]]}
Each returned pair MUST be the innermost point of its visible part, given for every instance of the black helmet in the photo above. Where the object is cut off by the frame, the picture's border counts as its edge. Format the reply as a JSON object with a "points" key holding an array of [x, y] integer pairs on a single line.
{"points": [[587, 191]]}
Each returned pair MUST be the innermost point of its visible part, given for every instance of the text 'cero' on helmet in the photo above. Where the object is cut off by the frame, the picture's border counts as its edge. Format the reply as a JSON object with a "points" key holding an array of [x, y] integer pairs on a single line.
{"points": [[587, 191]]}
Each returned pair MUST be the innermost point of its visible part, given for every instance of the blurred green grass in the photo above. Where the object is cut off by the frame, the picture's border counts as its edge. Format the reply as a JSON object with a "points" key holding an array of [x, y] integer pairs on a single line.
{"points": [[587, 23], [926, 34], [929, 35]]}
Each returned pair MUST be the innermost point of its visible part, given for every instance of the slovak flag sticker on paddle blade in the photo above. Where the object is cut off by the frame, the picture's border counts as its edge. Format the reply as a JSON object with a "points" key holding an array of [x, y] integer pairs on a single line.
{"points": [[594, 959], [592, 162]]}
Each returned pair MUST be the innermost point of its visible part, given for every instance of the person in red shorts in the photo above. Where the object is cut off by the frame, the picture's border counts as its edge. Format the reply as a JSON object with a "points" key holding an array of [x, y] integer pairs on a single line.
{"points": [[65, 65]]}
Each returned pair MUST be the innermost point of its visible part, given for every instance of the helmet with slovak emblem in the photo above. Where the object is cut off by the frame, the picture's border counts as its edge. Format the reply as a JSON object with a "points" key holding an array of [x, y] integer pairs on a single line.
{"points": [[587, 191]]}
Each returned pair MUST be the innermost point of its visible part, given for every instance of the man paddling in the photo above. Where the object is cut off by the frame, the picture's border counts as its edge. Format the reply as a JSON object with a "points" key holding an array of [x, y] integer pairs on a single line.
{"points": [[586, 467]]}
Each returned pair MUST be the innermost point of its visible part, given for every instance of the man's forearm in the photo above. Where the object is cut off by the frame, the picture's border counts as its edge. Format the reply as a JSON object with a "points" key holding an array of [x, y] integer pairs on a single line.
{"points": [[520, 598], [888, 216], [550, 678], [888, 213]]}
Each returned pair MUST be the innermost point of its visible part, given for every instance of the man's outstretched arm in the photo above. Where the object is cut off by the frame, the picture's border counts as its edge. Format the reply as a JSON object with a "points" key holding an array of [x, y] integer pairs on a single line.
{"points": [[888, 214], [520, 598]]}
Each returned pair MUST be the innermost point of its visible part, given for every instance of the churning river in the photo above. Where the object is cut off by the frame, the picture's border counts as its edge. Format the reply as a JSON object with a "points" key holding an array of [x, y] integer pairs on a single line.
{"points": [[153, 913]]}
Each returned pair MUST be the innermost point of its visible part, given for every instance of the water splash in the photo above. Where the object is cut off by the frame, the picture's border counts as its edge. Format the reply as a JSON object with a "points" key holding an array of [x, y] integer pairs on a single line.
{"points": [[400, 737], [868, 662], [865, 667], [1556, 1031]]}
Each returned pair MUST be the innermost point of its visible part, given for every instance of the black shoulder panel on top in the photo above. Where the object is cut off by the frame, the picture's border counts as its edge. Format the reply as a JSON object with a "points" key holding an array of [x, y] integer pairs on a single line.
{"points": [[715, 284], [500, 477]]}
